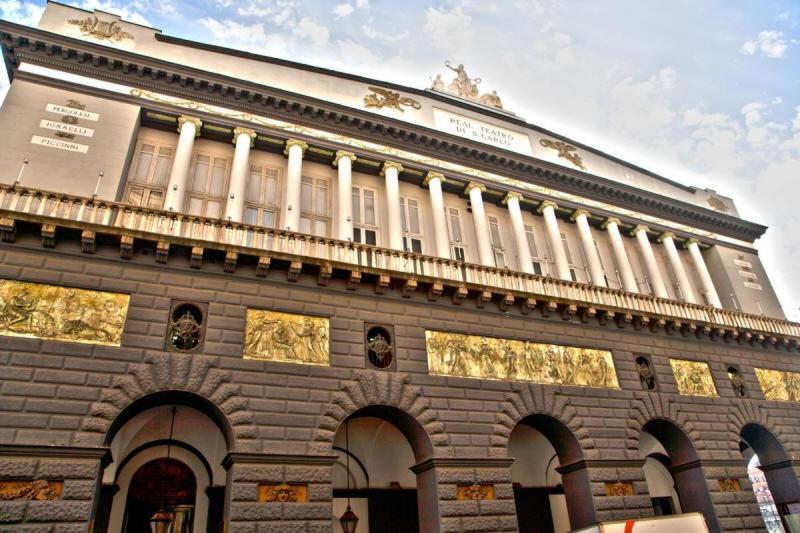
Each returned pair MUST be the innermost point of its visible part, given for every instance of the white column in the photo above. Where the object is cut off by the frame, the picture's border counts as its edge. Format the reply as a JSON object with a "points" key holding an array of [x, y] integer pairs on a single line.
{"points": [[434, 182], [518, 226], [656, 281], [481, 224], [189, 128], [294, 175], [548, 210], [702, 271], [611, 225], [243, 139], [668, 240], [391, 172], [581, 218], [344, 223]]}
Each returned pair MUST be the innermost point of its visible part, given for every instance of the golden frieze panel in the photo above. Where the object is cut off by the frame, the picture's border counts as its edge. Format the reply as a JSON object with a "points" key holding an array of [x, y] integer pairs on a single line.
{"points": [[62, 313], [729, 485], [779, 385], [619, 488], [40, 489], [380, 98], [693, 378], [565, 151], [286, 337], [482, 491], [473, 356], [101, 29], [282, 493]]}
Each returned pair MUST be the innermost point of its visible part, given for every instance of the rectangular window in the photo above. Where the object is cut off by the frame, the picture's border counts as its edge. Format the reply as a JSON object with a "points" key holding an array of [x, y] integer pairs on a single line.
{"points": [[365, 229], [314, 206], [497, 243], [209, 183], [456, 235], [412, 232], [261, 203], [567, 251], [147, 182], [534, 249]]}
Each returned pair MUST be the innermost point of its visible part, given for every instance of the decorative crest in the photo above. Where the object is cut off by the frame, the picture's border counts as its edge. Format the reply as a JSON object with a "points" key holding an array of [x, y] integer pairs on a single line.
{"points": [[565, 151], [381, 98], [717, 204], [101, 29], [465, 87]]}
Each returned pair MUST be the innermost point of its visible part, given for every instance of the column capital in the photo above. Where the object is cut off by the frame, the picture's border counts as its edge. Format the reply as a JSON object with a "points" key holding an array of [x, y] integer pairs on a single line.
{"points": [[186, 119], [475, 185], [509, 195], [666, 235], [433, 176], [578, 212], [544, 205], [342, 154], [690, 241], [295, 142], [610, 220], [391, 164], [638, 228], [244, 131]]}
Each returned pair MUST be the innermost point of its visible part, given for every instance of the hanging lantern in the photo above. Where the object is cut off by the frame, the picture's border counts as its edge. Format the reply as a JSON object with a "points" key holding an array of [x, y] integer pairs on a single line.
{"points": [[160, 521], [349, 521]]}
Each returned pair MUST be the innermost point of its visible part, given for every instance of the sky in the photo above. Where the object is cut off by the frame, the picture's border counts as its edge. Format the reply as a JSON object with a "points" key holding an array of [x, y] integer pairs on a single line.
{"points": [[704, 92]]}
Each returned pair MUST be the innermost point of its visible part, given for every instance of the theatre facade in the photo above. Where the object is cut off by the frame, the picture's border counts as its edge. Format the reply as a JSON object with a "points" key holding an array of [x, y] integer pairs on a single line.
{"points": [[243, 294]]}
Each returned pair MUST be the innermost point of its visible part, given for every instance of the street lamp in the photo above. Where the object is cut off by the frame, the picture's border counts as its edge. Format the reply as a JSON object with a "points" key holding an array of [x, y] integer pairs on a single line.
{"points": [[348, 520]]}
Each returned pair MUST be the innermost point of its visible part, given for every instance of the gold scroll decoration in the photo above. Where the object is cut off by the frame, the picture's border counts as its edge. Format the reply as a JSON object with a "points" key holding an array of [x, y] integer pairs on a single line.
{"points": [[729, 485], [619, 488], [282, 493], [473, 356], [482, 491], [779, 385], [62, 313], [286, 337], [40, 489], [693, 378]]}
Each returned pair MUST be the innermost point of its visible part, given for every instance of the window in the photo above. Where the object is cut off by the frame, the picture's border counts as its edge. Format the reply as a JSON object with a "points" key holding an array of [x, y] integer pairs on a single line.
{"points": [[497, 243], [149, 176], [261, 203], [456, 236], [412, 231], [209, 183], [314, 210], [568, 253], [365, 229], [537, 264]]}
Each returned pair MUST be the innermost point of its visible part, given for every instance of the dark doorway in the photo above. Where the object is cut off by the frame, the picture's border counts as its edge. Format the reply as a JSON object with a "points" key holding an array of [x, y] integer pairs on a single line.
{"points": [[390, 510], [533, 508], [662, 506], [162, 484]]}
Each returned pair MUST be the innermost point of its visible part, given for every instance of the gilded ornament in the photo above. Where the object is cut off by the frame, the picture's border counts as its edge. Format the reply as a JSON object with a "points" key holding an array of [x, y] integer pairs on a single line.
{"points": [[381, 98], [717, 204], [779, 385], [693, 378], [475, 492], [465, 87], [282, 493], [619, 488], [286, 337], [101, 29], [473, 356], [39, 489], [729, 485], [61, 313], [565, 151]]}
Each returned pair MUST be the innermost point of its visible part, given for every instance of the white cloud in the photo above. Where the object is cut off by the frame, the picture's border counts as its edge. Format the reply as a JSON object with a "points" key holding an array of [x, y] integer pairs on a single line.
{"points": [[14, 11], [451, 30], [343, 10], [796, 121], [379, 35], [251, 37], [316, 33], [362, 4], [770, 43], [126, 13]]}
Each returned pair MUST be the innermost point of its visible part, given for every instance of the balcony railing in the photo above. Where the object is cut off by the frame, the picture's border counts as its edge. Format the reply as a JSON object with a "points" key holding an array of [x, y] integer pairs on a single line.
{"points": [[113, 217]]}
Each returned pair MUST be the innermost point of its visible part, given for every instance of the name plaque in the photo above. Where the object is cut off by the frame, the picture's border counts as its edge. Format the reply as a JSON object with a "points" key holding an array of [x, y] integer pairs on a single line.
{"points": [[73, 112], [480, 131], [66, 128], [58, 143]]}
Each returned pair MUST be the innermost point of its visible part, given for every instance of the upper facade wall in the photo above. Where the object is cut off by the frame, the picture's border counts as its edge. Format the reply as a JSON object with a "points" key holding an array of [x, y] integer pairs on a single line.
{"points": [[488, 128]]}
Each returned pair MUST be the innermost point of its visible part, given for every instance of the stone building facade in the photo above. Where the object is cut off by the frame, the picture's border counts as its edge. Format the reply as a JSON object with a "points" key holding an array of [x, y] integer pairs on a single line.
{"points": [[250, 375]]}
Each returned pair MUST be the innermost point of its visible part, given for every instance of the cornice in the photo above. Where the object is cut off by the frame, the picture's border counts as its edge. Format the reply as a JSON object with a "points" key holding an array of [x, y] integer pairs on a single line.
{"points": [[276, 459], [60, 452], [110, 64], [462, 462]]}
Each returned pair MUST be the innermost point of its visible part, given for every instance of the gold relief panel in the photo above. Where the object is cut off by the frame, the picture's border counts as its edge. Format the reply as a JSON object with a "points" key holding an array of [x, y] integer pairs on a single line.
{"points": [[483, 491], [473, 356], [40, 489], [729, 485], [286, 337], [779, 385], [282, 493], [693, 378], [62, 313], [619, 488]]}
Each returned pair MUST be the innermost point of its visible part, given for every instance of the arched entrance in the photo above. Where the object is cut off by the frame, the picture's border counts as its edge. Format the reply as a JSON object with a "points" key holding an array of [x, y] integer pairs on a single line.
{"points": [[384, 443], [165, 485], [665, 442], [780, 482], [167, 452], [551, 486]]}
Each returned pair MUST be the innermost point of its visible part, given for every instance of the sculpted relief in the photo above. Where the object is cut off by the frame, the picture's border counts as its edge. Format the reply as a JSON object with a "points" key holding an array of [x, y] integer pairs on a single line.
{"points": [[693, 378], [465, 87], [286, 337], [473, 356], [62, 313], [779, 385]]}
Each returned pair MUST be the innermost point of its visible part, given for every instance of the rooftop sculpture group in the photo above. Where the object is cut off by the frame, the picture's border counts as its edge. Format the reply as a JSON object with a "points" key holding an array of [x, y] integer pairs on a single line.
{"points": [[465, 87]]}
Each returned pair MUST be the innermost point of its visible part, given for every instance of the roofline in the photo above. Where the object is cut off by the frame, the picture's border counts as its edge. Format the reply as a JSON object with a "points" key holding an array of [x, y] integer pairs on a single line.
{"points": [[158, 31]]}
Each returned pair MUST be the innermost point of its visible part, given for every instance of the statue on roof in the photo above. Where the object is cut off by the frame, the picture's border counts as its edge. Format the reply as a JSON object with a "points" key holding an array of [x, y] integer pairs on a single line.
{"points": [[465, 87]]}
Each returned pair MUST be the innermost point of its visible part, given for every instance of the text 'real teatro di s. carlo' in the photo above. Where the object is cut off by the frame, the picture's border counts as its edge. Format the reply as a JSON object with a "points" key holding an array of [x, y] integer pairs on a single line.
{"points": [[243, 294]]}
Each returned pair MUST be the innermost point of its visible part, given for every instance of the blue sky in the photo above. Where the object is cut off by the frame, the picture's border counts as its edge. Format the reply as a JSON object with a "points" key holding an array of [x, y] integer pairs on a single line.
{"points": [[705, 92]]}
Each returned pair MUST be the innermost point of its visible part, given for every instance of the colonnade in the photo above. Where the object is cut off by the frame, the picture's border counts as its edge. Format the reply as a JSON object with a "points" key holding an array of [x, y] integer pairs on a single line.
{"points": [[243, 139]]}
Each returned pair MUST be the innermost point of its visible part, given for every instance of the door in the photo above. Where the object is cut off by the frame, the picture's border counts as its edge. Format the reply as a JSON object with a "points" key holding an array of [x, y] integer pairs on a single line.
{"points": [[393, 511], [533, 509], [161, 485]]}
